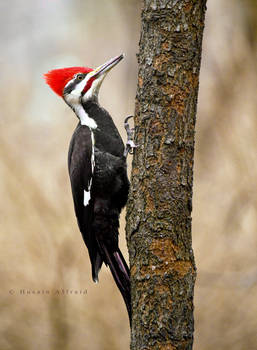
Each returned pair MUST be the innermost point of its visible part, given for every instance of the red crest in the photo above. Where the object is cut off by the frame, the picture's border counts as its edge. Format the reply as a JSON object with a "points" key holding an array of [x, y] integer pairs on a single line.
{"points": [[58, 78]]}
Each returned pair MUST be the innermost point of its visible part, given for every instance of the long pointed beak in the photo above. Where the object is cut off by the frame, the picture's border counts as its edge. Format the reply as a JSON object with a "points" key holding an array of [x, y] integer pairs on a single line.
{"points": [[107, 66]]}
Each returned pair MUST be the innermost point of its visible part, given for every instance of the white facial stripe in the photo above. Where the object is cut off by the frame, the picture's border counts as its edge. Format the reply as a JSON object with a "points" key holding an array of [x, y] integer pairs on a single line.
{"points": [[80, 87], [85, 81], [94, 89], [73, 98]]}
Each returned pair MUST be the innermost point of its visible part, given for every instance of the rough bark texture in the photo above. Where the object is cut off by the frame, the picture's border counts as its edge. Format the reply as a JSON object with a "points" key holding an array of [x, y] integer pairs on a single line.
{"points": [[159, 208]]}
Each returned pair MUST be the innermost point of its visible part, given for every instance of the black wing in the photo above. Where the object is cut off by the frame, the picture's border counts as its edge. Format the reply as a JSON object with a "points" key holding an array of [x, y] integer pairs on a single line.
{"points": [[80, 171], [98, 219]]}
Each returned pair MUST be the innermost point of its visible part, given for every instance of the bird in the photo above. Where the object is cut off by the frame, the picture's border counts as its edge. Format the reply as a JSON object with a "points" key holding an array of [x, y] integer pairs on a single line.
{"points": [[97, 164]]}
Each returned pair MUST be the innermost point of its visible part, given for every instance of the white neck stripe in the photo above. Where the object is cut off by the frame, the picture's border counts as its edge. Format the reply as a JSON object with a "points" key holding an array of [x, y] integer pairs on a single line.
{"points": [[84, 118]]}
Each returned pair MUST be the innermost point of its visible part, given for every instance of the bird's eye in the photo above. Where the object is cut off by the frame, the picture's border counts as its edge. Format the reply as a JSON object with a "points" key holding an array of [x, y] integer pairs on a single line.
{"points": [[80, 76]]}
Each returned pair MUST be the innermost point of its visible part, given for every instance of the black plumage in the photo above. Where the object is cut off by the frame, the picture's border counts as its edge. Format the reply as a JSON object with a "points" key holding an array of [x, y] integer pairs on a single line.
{"points": [[99, 220]]}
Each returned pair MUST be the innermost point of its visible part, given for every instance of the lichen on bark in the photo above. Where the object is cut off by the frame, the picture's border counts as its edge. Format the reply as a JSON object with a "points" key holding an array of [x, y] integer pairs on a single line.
{"points": [[160, 202]]}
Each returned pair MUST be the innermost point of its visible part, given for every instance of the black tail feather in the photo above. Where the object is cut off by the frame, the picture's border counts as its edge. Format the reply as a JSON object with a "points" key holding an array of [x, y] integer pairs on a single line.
{"points": [[120, 273], [105, 233], [96, 266]]}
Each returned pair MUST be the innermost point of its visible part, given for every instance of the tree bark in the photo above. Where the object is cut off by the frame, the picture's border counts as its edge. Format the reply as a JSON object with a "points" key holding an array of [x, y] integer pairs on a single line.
{"points": [[160, 203]]}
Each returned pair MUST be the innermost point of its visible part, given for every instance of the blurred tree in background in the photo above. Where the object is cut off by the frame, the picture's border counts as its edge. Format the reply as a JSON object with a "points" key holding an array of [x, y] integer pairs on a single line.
{"points": [[41, 245]]}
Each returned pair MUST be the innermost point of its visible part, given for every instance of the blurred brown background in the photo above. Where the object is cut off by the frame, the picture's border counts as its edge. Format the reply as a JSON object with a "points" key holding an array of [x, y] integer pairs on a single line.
{"points": [[41, 247]]}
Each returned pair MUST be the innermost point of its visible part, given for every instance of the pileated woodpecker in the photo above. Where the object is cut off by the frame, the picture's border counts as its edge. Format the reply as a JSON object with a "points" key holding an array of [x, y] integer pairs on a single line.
{"points": [[97, 168]]}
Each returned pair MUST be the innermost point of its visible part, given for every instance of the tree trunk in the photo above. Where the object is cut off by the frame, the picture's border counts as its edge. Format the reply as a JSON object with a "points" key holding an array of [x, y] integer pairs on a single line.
{"points": [[160, 203]]}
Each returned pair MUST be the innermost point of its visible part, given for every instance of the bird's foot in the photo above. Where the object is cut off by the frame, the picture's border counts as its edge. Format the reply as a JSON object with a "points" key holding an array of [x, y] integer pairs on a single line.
{"points": [[130, 144]]}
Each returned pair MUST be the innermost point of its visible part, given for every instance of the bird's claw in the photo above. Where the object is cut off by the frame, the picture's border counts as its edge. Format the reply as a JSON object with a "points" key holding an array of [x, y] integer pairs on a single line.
{"points": [[130, 144], [129, 149]]}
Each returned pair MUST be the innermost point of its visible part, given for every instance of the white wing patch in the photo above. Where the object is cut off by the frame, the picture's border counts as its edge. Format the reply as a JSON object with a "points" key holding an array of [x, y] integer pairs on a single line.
{"points": [[86, 197], [87, 193]]}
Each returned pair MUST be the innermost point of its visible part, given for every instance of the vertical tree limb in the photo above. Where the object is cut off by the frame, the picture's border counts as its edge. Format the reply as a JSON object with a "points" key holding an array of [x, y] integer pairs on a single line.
{"points": [[160, 203]]}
